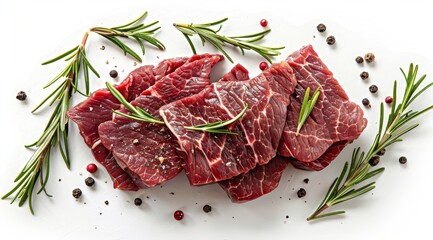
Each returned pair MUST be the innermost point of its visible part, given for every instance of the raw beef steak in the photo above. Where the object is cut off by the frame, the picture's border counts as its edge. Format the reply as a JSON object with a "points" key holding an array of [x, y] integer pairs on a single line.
{"points": [[257, 182], [148, 152], [97, 109], [216, 157], [334, 119]]}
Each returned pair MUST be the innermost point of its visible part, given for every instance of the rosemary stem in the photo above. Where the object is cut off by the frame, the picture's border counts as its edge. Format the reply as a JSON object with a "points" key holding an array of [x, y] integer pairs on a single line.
{"points": [[391, 126], [318, 212]]}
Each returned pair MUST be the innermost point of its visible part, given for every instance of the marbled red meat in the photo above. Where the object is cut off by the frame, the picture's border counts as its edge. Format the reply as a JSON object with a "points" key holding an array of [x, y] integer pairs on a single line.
{"points": [[216, 157], [97, 109], [148, 152], [333, 120], [261, 180]]}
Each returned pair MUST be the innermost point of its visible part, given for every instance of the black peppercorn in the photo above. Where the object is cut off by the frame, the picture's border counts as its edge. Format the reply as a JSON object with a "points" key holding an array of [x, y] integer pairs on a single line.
{"points": [[364, 75], [89, 181], [138, 201], [301, 193], [306, 180], [374, 161], [21, 95], [330, 40], [359, 59], [76, 193], [402, 160], [321, 27], [113, 73], [366, 102], [106, 202], [207, 208], [369, 57], [381, 152], [373, 88]]}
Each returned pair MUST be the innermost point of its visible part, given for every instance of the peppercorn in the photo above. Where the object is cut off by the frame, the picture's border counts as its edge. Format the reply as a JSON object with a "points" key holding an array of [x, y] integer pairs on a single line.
{"points": [[373, 88], [138, 201], [178, 215], [89, 181], [369, 57], [366, 102], [321, 27], [389, 99], [301, 193], [364, 75], [306, 180], [76, 193], [91, 168], [330, 40], [264, 22], [381, 152], [113, 73], [359, 59], [263, 65], [402, 160], [207, 208], [21, 95], [374, 161], [106, 202]]}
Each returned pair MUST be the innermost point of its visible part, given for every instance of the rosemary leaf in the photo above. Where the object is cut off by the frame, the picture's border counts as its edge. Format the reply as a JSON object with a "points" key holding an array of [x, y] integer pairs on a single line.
{"points": [[207, 33], [219, 126], [306, 107], [136, 112]]}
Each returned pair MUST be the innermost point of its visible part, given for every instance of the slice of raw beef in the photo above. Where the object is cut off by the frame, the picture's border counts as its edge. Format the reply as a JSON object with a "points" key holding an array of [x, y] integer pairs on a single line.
{"points": [[148, 152], [215, 157], [261, 180], [98, 109], [334, 121]]}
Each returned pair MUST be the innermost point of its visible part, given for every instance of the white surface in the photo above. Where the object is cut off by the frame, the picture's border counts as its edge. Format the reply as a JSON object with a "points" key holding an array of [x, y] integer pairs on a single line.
{"points": [[398, 33]]}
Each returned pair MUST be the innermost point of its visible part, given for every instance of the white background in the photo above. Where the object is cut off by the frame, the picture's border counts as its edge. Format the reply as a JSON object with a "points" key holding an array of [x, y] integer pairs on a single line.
{"points": [[398, 32]]}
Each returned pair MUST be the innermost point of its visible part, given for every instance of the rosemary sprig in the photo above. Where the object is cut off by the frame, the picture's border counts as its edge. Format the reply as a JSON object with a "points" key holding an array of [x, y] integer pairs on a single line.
{"points": [[219, 126], [56, 130], [306, 107], [139, 32], [245, 42], [137, 113], [359, 170]]}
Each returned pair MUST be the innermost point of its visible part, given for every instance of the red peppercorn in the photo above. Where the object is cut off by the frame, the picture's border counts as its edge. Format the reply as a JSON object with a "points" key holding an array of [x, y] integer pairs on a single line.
{"points": [[91, 168], [389, 99], [263, 65], [178, 215], [264, 22]]}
